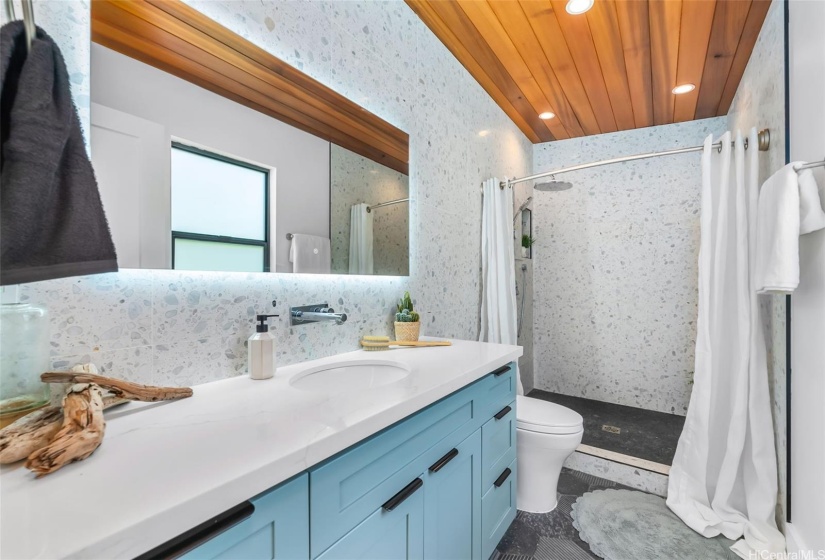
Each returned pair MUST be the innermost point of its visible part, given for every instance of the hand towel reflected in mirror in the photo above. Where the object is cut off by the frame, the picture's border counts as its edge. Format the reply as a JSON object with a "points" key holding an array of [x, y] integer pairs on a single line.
{"points": [[309, 254]]}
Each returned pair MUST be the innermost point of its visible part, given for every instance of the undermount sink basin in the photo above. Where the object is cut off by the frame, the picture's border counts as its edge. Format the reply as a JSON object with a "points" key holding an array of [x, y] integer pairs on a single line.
{"points": [[350, 376]]}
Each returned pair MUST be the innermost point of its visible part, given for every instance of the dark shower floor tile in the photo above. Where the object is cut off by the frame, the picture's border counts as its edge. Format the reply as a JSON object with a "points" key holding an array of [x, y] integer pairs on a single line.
{"points": [[552, 536], [646, 434]]}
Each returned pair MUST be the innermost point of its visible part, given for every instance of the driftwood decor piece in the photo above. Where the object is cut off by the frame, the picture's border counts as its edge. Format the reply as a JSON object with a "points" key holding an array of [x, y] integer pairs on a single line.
{"points": [[33, 431], [119, 388], [81, 434], [53, 437], [26, 435]]}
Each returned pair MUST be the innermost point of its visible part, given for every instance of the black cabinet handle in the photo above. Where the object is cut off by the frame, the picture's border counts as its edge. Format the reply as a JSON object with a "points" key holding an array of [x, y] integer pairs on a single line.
{"points": [[441, 463], [502, 413], [504, 476], [196, 536], [405, 493], [501, 370]]}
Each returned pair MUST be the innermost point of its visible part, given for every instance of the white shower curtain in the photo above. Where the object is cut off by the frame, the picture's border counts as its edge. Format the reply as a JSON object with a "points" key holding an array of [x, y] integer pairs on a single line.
{"points": [[723, 478], [360, 240], [498, 275]]}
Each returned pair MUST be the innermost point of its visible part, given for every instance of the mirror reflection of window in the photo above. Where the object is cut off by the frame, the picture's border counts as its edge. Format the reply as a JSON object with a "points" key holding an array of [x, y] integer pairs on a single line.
{"points": [[220, 212]]}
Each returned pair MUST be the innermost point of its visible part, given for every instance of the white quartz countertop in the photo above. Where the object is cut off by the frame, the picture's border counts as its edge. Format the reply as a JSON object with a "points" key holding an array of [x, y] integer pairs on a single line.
{"points": [[163, 468]]}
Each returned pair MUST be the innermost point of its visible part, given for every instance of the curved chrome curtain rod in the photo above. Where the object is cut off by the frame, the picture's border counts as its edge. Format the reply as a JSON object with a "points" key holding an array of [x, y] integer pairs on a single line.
{"points": [[764, 144], [388, 203]]}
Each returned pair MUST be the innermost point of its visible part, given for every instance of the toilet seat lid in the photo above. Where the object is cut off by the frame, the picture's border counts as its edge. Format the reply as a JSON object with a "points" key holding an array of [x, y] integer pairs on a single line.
{"points": [[545, 417]]}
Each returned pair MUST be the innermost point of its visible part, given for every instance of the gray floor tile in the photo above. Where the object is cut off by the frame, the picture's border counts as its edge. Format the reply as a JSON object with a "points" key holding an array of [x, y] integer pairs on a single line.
{"points": [[647, 434], [594, 482], [559, 549], [566, 504]]}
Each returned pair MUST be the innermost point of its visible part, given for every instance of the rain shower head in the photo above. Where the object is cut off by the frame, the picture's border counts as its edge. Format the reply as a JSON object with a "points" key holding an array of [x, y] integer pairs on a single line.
{"points": [[553, 186]]}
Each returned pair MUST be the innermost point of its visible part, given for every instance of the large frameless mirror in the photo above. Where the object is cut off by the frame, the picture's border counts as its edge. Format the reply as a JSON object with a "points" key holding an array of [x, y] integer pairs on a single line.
{"points": [[212, 154]]}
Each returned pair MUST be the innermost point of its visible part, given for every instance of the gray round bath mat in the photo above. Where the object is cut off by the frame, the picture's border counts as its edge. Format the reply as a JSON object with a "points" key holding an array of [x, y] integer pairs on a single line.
{"points": [[630, 525]]}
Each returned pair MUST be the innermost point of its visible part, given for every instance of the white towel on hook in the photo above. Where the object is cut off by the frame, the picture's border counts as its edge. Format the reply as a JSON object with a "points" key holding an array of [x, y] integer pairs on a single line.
{"points": [[309, 254], [811, 215], [789, 206]]}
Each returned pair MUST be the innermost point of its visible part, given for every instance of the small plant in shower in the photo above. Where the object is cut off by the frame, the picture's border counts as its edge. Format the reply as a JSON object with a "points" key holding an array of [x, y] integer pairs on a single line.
{"points": [[527, 243], [407, 321]]}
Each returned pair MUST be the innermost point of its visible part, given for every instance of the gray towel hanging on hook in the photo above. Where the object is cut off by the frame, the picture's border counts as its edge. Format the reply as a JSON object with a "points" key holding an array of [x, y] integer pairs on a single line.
{"points": [[52, 223]]}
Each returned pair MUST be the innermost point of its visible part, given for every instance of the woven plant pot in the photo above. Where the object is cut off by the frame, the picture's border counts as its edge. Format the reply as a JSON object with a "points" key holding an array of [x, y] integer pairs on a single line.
{"points": [[407, 332]]}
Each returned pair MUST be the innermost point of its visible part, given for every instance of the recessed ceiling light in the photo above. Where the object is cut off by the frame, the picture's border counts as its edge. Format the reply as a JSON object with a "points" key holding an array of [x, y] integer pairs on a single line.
{"points": [[546, 115], [483, 132], [576, 7], [683, 88]]}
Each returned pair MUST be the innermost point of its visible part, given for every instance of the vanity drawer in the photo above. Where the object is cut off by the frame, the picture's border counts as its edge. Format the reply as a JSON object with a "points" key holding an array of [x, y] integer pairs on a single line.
{"points": [[498, 444], [347, 489], [498, 509], [499, 390], [277, 528]]}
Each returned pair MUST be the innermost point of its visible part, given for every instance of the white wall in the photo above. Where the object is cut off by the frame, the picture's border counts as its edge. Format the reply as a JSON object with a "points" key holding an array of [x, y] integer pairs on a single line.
{"points": [[807, 142], [615, 268], [195, 115], [172, 327]]}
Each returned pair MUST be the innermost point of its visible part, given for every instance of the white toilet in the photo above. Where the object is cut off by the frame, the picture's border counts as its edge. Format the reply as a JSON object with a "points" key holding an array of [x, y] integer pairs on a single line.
{"points": [[546, 434]]}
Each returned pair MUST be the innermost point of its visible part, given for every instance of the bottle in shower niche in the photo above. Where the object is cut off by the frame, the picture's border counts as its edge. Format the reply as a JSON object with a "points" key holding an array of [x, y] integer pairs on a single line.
{"points": [[24, 355], [261, 364]]}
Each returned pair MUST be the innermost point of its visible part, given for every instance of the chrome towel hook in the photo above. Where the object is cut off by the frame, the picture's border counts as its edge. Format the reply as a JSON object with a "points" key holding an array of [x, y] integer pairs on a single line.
{"points": [[28, 19]]}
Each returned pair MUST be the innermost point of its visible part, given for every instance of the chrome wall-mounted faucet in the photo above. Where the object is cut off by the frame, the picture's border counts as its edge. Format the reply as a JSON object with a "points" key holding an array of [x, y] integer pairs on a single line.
{"points": [[306, 314]]}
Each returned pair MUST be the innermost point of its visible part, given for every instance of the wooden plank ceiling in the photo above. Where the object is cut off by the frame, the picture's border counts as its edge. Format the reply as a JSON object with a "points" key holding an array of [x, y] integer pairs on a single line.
{"points": [[612, 68]]}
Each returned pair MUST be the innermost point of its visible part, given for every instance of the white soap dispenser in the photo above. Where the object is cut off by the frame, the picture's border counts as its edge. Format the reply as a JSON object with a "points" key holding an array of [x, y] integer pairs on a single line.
{"points": [[261, 363]]}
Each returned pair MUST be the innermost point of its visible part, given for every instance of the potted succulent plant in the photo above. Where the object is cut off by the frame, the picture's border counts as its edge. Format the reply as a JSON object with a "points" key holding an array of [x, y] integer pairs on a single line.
{"points": [[526, 246], [407, 321]]}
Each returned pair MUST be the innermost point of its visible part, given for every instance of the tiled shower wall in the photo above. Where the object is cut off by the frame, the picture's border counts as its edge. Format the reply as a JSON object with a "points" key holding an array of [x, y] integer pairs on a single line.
{"points": [[524, 291], [615, 268], [182, 328]]}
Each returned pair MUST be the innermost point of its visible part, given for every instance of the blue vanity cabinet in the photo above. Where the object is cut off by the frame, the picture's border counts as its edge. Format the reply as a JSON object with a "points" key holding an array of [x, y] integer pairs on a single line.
{"points": [[452, 503], [498, 509], [439, 484], [498, 442], [458, 443], [387, 534], [348, 488], [278, 529]]}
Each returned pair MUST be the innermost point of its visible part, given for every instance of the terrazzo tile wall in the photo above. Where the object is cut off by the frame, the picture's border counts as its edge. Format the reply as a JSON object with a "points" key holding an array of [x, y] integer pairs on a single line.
{"points": [[760, 102], [181, 328], [355, 179], [616, 259], [524, 291]]}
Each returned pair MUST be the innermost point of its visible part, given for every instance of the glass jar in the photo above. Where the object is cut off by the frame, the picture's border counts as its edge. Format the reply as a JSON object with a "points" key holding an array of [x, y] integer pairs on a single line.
{"points": [[24, 355]]}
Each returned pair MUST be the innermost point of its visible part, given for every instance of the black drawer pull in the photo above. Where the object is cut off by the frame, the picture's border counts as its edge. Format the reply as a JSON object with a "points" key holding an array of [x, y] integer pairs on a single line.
{"points": [[501, 370], [504, 476], [198, 535], [441, 463], [502, 413], [405, 493]]}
